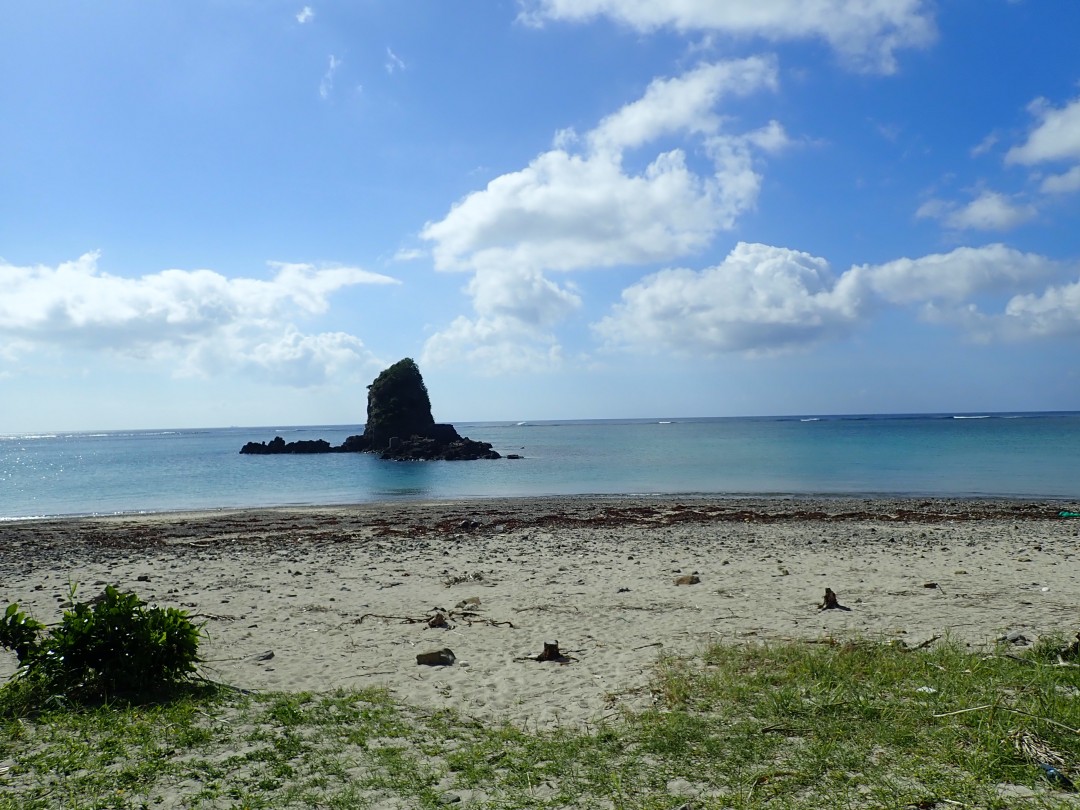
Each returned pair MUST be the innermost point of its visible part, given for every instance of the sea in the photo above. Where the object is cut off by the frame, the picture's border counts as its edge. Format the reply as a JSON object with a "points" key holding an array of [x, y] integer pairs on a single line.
{"points": [[969, 455]]}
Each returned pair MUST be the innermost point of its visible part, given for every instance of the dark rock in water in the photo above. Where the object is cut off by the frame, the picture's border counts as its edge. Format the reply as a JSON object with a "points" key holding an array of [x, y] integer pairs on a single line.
{"points": [[398, 405], [279, 445], [424, 448], [354, 444], [399, 426]]}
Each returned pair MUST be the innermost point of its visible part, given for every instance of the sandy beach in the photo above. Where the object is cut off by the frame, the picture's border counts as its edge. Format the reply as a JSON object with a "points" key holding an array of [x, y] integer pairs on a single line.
{"points": [[321, 598]]}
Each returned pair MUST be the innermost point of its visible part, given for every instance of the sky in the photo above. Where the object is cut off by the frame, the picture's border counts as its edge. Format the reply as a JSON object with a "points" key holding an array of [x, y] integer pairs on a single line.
{"points": [[237, 212]]}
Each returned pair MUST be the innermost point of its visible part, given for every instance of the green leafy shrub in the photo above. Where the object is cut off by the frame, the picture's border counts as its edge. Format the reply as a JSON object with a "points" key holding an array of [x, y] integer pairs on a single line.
{"points": [[116, 647]]}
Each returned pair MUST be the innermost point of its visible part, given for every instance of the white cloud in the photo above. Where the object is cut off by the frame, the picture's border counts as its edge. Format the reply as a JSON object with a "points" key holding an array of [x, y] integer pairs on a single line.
{"points": [[515, 310], [867, 33], [393, 62], [1053, 313], [1056, 137], [572, 210], [990, 211], [569, 211], [493, 346], [305, 15], [284, 356], [522, 295], [409, 254], [326, 86], [763, 299], [759, 299], [985, 145], [953, 277], [955, 288], [198, 320], [683, 104], [1062, 183]]}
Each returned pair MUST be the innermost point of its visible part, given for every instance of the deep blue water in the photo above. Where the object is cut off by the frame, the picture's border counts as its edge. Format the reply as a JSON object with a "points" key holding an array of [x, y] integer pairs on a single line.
{"points": [[1010, 455]]}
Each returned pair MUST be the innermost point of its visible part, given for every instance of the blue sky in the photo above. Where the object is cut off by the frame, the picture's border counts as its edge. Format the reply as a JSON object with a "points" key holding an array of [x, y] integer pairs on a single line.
{"points": [[229, 212]]}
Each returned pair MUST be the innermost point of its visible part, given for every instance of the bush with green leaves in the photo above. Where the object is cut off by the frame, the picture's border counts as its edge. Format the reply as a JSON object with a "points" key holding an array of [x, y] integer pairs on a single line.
{"points": [[114, 647]]}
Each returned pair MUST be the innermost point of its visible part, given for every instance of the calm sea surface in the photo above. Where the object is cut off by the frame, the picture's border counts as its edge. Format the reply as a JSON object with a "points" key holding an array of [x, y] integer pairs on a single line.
{"points": [[1012, 455]]}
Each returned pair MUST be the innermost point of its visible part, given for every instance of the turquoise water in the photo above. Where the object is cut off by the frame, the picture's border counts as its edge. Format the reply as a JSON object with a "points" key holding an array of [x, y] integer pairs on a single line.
{"points": [[1009, 455]]}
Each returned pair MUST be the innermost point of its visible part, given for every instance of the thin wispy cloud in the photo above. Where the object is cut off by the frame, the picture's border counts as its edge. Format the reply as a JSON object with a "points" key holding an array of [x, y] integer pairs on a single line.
{"points": [[305, 15], [393, 62], [989, 211], [409, 254], [326, 86]]}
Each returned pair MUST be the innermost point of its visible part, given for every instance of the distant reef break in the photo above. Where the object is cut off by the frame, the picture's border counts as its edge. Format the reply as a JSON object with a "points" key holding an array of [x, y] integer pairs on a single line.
{"points": [[399, 426]]}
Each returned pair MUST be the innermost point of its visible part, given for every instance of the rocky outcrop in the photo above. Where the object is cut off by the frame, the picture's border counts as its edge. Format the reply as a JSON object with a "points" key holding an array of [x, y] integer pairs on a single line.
{"points": [[399, 426], [398, 406], [279, 445], [423, 448]]}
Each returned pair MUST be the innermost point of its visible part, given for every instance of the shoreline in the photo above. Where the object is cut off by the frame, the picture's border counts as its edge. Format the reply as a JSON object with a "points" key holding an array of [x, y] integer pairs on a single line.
{"points": [[858, 501], [341, 595]]}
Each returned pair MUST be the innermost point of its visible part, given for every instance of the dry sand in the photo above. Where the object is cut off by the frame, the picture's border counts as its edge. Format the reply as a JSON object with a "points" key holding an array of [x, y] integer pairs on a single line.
{"points": [[341, 596]]}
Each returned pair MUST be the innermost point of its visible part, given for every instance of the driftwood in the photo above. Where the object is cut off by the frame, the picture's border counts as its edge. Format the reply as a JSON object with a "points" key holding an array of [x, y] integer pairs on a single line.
{"points": [[551, 653], [440, 619], [831, 602]]}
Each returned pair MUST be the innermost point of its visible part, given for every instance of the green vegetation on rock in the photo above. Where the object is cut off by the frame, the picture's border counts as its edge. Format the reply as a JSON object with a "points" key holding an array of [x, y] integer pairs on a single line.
{"points": [[398, 405]]}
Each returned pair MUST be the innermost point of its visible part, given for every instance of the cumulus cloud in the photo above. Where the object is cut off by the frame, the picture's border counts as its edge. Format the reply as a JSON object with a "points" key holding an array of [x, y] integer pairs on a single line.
{"points": [[986, 292], [953, 277], [198, 320], [990, 211], [521, 295], [573, 210], [305, 15], [568, 211], [764, 299], [281, 356], [759, 299], [493, 346], [1052, 313], [866, 33], [515, 310]]}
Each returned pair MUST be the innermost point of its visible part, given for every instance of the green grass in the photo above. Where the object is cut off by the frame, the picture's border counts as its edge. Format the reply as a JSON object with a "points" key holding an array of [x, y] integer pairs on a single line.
{"points": [[791, 725]]}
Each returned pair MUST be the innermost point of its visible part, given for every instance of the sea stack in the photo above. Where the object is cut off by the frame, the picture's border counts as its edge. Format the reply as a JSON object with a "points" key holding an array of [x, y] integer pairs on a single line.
{"points": [[398, 405], [399, 426]]}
